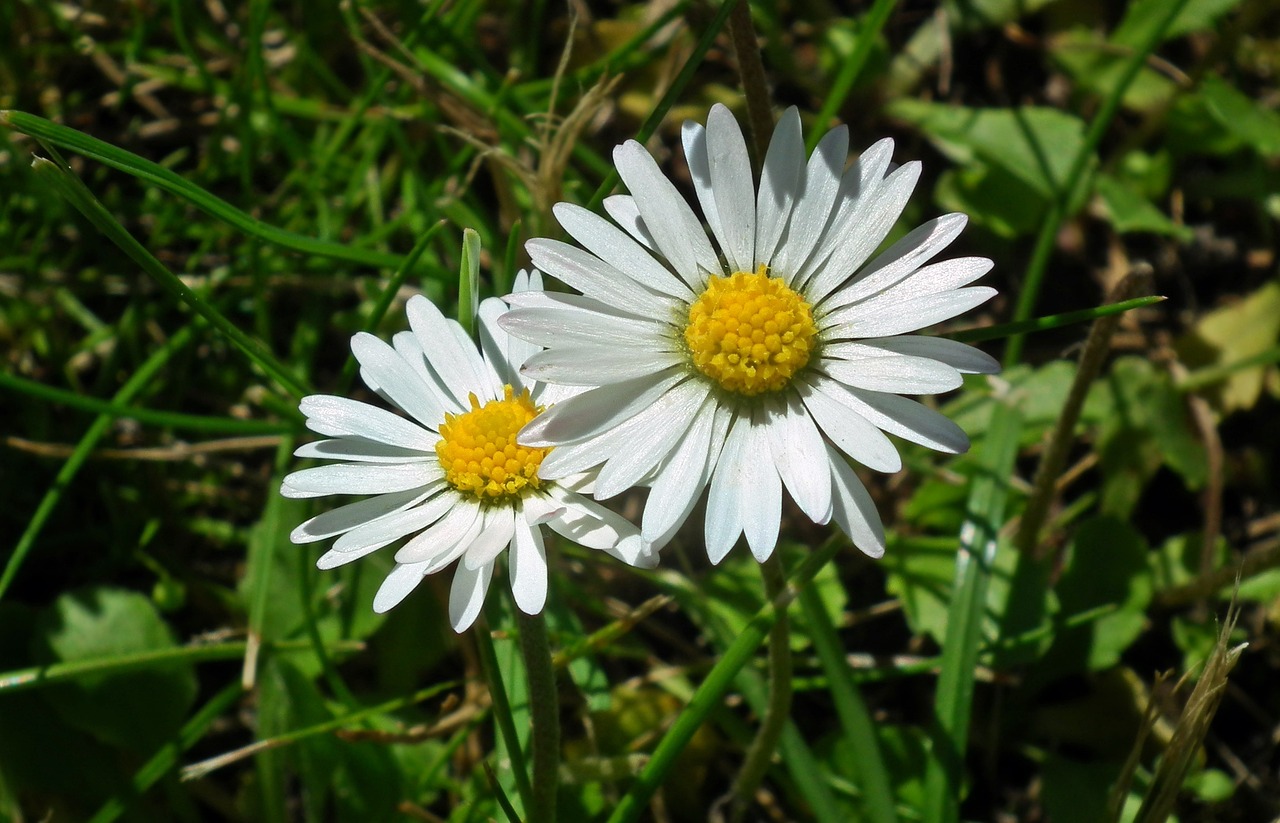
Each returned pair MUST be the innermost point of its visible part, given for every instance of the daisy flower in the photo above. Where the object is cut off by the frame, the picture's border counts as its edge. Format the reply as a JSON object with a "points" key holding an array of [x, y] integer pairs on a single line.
{"points": [[765, 361], [452, 475]]}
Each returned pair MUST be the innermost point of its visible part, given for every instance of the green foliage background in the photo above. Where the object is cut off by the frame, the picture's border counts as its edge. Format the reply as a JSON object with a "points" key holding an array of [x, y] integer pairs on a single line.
{"points": [[252, 182]]}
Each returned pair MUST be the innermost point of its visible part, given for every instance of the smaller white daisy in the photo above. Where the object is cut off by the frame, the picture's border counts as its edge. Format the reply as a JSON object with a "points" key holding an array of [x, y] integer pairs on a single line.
{"points": [[453, 476]]}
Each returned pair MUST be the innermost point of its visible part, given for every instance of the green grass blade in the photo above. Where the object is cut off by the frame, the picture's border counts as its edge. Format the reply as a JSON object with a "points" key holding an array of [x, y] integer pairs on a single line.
{"points": [[717, 682], [974, 565], [36, 677], [207, 424], [163, 761], [668, 100], [75, 192], [868, 767], [1052, 321], [851, 67], [99, 427], [469, 281], [1058, 210], [502, 712], [94, 149]]}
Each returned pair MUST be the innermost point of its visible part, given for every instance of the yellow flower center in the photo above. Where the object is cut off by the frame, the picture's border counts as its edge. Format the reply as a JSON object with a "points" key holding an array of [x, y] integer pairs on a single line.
{"points": [[750, 332], [479, 453]]}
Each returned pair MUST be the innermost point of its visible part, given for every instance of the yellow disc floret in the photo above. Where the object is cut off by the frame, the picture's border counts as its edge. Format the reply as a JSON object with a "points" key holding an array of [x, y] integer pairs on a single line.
{"points": [[750, 332], [479, 453]]}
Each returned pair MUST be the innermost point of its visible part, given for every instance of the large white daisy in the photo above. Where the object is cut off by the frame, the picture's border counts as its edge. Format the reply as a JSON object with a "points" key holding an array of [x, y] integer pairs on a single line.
{"points": [[765, 364], [453, 476]]}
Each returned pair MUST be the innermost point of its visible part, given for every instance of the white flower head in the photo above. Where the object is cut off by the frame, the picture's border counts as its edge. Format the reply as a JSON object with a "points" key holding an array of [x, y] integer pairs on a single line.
{"points": [[452, 476], [759, 366]]}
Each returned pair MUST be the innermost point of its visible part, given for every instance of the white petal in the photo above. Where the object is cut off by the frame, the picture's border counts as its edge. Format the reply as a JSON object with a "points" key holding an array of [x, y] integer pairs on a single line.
{"points": [[360, 450], [403, 579], [732, 187], [859, 190], [959, 356], [762, 500], [527, 564], [595, 411], [339, 416], [853, 508], [694, 138], [622, 208], [538, 509], [554, 326], [456, 364], [618, 249], [645, 440], [592, 276], [396, 379], [885, 317], [680, 479], [897, 373], [599, 365], [670, 221], [332, 559], [390, 528], [725, 501], [799, 452], [868, 225], [587, 523], [344, 518], [779, 183], [905, 418], [814, 204], [902, 260], [443, 535], [466, 595], [410, 350], [485, 383], [495, 535], [504, 354], [347, 478], [848, 430]]}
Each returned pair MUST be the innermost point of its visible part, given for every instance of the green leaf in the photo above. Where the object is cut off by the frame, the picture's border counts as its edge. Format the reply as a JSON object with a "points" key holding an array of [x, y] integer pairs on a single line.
{"points": [[1142, 19], [1129, 211], [1242, 116], [138, 710], [1028, 150], [1107, 566], [1231, 334], [1099, 65]]}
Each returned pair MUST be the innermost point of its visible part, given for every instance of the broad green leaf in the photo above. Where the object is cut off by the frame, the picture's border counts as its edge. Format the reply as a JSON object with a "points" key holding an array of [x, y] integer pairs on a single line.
{"points": [[1035, 146], [1129, 211], [1233, 333], [1243, 116], [1099, 65], [137, 710], [1177, 561], [1107, 565], [1143, 17]]}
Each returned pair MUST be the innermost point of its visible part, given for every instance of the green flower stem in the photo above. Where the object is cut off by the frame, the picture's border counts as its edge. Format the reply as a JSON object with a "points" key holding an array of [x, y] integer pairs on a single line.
{"points": [[718, 681], [754, 84], [1070, 194], [1054, 458], [760, 755], [544, 706], [502, 712]]}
